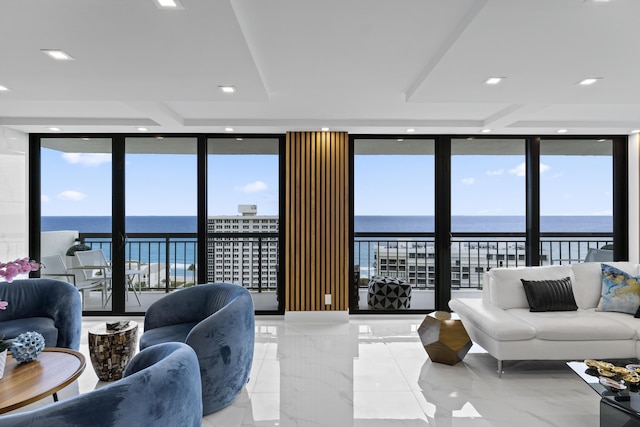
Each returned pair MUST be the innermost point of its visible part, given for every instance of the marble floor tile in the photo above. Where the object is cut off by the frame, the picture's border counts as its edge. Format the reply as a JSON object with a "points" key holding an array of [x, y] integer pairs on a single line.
{"points": [[373, 371]]}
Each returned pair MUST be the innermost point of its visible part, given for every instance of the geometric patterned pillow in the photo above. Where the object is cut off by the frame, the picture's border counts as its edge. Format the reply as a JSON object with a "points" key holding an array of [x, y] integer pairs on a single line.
{"points": [[389, 293], [620, 291]]}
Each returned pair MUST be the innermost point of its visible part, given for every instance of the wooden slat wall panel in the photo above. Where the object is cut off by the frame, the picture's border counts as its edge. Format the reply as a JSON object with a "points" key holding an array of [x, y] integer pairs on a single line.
{"points": [[317, 170]]}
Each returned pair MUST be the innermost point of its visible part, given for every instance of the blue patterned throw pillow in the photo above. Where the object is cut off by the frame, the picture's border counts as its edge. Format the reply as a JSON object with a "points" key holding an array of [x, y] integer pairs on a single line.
{"points": [[620, 291]]}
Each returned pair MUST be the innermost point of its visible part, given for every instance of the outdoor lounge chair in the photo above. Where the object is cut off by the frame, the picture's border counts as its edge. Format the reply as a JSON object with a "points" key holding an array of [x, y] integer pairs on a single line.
{"points": [[96, 267], [53, 267]]}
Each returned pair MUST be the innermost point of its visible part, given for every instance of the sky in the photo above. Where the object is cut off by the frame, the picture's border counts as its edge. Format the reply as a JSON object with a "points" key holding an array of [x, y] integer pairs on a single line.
{"points": [[164, 184]]}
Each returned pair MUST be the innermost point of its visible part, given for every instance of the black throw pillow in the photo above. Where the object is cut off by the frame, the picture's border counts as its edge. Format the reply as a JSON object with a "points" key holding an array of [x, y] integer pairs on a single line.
{"points": [[550, 295]]}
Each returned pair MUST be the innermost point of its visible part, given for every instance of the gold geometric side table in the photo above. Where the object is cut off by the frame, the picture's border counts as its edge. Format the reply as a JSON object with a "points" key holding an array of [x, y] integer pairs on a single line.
{"points": [[111, 350], [444, 338]]}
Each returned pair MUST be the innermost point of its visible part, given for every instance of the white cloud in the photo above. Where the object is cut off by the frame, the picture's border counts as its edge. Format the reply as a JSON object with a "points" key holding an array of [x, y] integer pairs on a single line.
{"points": [[71, 195], [495, 172], [44, 198], [254, 187], [468, 181], [521, 169], [87, 159]]}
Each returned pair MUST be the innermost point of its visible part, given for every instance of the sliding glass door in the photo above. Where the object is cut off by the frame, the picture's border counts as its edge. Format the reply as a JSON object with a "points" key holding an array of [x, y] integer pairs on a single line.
{"points": [[161, 218], [76, 206]]}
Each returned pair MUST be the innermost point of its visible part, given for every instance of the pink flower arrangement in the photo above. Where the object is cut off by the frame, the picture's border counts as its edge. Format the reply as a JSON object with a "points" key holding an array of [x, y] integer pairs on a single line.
{"points": [[11, 269]]}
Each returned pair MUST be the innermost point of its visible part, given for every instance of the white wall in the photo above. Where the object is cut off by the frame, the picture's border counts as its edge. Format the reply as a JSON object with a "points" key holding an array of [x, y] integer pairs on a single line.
{"points": [[13, 194]]}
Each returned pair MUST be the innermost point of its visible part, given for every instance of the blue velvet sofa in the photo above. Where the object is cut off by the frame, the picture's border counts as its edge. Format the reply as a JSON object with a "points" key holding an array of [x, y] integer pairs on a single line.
{"points": [[217, 320], [50, 307], [161, 387]]}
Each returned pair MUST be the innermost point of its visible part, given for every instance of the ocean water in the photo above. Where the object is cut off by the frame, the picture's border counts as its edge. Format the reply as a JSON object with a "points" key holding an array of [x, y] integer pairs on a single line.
{"points": [[188, 224]]}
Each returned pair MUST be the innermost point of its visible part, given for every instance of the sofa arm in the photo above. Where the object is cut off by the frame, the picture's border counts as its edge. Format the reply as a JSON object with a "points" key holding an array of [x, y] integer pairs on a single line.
{"points": [[493, 321]]}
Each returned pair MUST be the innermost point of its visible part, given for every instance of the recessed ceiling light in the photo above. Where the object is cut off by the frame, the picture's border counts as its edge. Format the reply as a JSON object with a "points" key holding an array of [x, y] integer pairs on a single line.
{"points": [[485, 130], [3, 88], [562, 131], [228, 129], [86, 139], [589, 81], [55, 129], [159, 137], [238, 139], [57, 54], [168, 4], [143, 129], [399, 139], [325, 129], [493, 80], [227, 89], [411, 130], [602, 140]]}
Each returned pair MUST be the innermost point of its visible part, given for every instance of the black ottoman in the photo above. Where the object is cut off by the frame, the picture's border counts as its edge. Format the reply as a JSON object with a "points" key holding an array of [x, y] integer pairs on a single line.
{"points": [[388, 293]]}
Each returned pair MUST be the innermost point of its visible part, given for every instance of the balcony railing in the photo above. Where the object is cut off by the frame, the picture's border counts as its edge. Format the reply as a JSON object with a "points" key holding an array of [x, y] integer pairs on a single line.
{"points": [[252, 259], [411, 256], [248, 259]]}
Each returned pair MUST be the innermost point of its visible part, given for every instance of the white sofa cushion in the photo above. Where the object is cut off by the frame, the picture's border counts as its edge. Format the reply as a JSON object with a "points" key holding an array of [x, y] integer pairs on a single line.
{"points": [[580, 325], [587, 287], [506, 290]]}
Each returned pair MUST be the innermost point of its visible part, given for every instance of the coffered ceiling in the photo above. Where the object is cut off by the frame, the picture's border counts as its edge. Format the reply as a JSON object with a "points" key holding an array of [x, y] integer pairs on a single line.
{"points": [[361, 66]]}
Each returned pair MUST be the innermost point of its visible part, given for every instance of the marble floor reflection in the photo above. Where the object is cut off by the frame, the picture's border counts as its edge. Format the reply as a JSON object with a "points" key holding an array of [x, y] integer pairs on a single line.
{"points": [[373, 371]]}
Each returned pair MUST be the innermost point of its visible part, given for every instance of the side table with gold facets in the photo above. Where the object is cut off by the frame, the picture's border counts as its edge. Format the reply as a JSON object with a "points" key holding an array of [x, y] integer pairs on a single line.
{"points": [[111, 350], [444, 338]]}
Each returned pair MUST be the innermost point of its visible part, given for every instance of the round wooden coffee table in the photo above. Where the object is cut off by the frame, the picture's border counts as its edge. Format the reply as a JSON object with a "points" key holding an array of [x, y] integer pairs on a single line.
{"points": [[25, 383]]}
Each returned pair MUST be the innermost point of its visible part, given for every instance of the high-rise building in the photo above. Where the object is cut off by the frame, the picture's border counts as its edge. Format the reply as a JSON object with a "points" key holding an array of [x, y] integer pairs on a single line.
{"points": [[243, 249]]}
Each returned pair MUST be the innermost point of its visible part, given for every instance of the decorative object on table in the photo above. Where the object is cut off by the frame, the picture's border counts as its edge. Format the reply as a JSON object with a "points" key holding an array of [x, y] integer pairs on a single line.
{"points": [[4, 346], [78, 245], [444, 339], [9, 270], [117, 326], [111, 350], [27, 346]]}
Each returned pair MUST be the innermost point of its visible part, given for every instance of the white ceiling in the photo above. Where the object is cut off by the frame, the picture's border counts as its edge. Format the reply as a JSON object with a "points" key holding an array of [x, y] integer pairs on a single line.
{"points": [[361, 66]]}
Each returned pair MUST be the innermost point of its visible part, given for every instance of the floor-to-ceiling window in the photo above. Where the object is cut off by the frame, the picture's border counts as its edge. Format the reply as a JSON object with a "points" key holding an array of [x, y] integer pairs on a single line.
{"points": [[76, 203], [161, 218], [576, 197], [393, 181], [243, 240], [488, 208]]}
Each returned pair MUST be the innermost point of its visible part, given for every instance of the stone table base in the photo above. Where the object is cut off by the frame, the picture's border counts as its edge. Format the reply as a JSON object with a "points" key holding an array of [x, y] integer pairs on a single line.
{"points": [[111, 351]]}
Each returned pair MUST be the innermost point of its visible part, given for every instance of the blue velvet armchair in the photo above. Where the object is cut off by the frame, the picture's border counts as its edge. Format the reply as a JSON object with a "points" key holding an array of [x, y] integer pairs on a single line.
{"points": [[50, 307], [161, 387], [217, 321]]}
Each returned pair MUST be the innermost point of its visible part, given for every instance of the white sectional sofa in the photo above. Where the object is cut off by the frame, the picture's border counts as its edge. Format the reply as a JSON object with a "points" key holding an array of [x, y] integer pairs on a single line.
{"points": [[501, 321]]}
